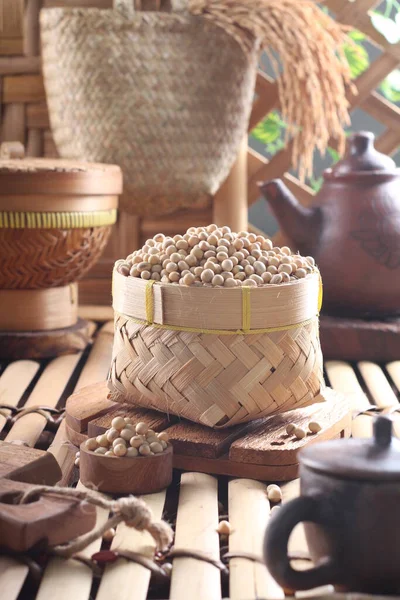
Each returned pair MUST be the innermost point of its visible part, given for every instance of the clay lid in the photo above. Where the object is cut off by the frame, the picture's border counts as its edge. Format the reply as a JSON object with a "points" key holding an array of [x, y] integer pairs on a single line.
{"points": [[19, 175], [362, 157], [376, 459]]}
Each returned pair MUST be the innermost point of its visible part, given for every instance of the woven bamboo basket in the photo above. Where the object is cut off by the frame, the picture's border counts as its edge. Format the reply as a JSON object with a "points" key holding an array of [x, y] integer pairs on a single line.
{"points": [[120, 89], [216, 356]]}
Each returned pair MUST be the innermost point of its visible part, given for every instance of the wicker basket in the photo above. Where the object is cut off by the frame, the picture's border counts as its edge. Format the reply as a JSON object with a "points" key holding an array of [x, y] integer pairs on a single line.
{"points": [[120, 89], [217, 356], [55, 220]]}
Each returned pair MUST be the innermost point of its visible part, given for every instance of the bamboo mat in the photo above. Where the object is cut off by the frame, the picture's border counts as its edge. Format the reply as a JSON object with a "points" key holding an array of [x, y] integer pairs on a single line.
{"points": [[194, 503]]}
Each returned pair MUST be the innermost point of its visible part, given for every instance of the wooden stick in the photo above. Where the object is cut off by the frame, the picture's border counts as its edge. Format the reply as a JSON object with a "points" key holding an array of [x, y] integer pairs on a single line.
{"points": [[69, 579], [196, 529], [47, 392], [14, 381], [125, 580], [248, 516], [230, 202], [12, 577]]}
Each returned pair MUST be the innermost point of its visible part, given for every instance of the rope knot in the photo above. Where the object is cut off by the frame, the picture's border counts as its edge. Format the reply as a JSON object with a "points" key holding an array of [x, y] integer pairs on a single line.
{"points": [[134, 512]]}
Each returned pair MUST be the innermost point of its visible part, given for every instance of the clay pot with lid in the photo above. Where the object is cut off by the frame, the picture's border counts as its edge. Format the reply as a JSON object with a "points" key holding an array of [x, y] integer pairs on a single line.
{"points": [[352, 230], [350, 504], [55, 220]]}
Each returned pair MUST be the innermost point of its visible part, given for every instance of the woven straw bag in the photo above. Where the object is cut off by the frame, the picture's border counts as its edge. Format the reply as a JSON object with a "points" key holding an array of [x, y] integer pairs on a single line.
{"points": [[217, 356], [167, 96]]}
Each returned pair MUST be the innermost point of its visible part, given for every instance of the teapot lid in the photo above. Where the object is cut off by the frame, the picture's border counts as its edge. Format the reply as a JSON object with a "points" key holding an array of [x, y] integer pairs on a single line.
{"points": [[376, 458], [361, 156]]}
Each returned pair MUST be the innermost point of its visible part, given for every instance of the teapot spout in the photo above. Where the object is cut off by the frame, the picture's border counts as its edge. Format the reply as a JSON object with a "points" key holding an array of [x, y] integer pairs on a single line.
{"points": [[300, 224]]}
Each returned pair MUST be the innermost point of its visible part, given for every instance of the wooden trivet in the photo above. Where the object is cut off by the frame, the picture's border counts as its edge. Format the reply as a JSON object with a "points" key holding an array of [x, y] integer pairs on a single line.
{"points": [[28, 465], [358, 339], [17, 345], [260, 450], [55, 520]]}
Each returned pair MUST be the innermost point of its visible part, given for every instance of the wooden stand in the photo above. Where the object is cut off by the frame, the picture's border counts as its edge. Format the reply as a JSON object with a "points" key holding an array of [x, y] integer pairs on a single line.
{"points": [[117, 475], [356, 339], [260, 450], [39, 310], [15, 345]]}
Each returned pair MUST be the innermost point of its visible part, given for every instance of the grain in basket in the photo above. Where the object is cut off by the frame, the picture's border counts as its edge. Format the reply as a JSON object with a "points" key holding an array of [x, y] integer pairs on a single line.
{"points": [[216, 327]]}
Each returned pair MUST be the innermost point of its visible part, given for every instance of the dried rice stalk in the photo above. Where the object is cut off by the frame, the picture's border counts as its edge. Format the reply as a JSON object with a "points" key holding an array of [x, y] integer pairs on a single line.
{"points": [[312, 67]]}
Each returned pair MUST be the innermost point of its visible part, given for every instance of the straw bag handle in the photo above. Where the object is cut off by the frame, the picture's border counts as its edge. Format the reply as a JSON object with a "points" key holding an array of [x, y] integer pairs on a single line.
{"points": [[127, 8]]}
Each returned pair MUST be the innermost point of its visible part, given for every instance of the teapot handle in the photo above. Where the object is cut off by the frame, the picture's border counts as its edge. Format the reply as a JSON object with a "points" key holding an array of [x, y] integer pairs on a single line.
{"points": [[276, 540]]}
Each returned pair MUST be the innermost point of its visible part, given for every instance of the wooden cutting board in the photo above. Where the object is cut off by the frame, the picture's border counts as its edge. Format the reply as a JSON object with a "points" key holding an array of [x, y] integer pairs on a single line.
{"points": [[260, 450]]}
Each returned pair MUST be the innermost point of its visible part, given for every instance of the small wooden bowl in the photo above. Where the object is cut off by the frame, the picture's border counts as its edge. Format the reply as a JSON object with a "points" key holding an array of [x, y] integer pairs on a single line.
{"points": [[121, 475]]}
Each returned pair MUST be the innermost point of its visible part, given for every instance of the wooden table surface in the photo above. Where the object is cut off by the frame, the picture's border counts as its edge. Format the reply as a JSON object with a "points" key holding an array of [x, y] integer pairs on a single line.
{"points": [[194, 503]]}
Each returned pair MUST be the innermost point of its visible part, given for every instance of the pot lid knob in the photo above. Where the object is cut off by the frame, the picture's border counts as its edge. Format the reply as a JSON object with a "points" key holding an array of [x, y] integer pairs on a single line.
{"points": [[383, 432], [361, 155]]}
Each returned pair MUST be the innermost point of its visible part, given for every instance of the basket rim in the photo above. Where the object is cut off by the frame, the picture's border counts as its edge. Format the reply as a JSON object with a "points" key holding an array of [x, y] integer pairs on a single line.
{"points": [[245, 309]]}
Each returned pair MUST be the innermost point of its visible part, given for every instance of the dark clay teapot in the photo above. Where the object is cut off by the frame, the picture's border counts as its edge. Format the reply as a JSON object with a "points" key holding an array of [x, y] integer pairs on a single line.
{"points": [[350, 504], [352, 230]]}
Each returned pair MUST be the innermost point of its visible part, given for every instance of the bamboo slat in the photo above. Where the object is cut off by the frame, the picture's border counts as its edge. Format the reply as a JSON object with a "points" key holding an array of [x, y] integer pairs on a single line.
{"points": [[196, 529], [14, 382], [343, 379], [99, 360], [393, 369], [69, 579], [47, 392], [122, 577], [12, 577], [380, 390], [248, 517]]}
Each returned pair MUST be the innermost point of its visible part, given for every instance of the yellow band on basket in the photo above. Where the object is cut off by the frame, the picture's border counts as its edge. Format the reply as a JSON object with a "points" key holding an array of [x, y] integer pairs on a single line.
{"points": [[320, 294], [246, 315], [57, 220], [149, 302], [217, 331], [246, 308]]}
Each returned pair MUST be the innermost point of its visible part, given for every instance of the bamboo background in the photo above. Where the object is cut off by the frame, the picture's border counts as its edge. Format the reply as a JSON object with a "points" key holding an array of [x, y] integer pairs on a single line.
{"points": [[24, 118]]}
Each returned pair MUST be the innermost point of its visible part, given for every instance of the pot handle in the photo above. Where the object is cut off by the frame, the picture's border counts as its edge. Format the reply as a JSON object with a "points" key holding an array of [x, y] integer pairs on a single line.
{"points": [[276, 540]]}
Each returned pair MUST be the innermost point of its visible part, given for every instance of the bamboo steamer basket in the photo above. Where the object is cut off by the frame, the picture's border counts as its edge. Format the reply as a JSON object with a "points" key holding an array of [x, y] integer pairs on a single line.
{"points": [[55, 220], [216, 356]]}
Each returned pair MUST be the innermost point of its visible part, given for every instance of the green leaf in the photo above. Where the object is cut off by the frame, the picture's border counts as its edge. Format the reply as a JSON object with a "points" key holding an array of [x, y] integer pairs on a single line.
{"points": [[390, 86], [270, 129], [357, 36], [333, 154], [387, 27], [394, 80], [316, 183], [357, 57]]}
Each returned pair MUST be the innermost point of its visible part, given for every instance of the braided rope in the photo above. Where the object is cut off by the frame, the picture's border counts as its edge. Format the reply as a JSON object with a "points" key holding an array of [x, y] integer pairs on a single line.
{"points": [[133, 511]]}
